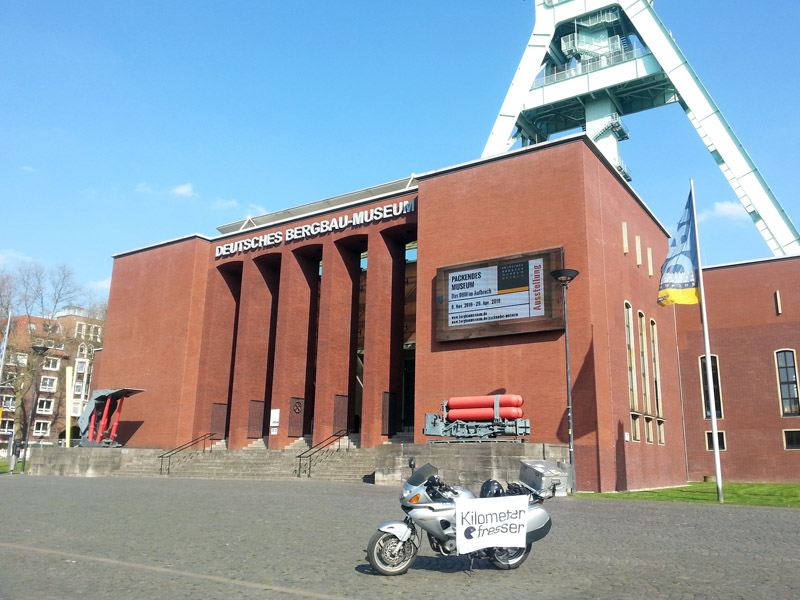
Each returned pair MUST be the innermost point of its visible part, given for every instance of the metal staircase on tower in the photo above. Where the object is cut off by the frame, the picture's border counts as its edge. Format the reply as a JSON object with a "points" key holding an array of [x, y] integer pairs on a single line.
{"points": [[588, 63]]}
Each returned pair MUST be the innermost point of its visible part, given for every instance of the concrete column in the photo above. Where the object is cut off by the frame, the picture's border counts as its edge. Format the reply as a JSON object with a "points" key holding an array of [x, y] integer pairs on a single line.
{"points": [[383, 332], [338, 320], [598, 113], [296, 325], [252, 367]]}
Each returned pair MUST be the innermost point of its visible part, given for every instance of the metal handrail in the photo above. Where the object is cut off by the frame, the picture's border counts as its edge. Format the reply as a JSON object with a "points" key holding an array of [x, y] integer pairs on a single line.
{"points": [[170, 453], [311, 452]]}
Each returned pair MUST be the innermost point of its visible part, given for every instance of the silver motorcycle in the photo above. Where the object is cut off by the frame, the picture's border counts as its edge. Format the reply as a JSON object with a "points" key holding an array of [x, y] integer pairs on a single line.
{"points": [[430, 503]]}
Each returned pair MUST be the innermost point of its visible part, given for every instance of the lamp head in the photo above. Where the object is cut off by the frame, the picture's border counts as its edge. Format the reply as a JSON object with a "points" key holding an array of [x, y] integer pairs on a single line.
{"points": [[39, 350], [564, 276]]}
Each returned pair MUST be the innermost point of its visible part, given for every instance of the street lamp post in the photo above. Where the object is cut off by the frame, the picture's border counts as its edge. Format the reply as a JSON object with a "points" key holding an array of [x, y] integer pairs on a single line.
{"points": [[564, 276], [39, 352]]}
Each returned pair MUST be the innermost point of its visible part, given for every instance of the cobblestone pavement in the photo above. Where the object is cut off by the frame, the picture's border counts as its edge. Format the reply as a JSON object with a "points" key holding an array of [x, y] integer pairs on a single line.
{"points": [[166, 539]]}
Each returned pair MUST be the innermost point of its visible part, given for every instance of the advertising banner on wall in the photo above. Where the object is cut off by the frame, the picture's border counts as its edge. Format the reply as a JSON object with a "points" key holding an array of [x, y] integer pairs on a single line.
{"points": [[512, 294]]}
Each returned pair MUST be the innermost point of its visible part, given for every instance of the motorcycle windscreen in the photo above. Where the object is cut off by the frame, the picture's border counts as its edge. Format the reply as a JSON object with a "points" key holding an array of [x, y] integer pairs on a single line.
{"points": [[421, 475]]}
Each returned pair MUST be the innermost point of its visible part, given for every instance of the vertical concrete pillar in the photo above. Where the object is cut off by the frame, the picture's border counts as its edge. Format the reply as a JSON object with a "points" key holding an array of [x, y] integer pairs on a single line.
{"points": [[338, 320], [250, 372], [383, 333], [295, 329]]}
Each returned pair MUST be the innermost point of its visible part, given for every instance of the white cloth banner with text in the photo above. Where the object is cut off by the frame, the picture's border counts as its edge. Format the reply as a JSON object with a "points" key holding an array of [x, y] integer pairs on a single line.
{"points": [[488, 522]]}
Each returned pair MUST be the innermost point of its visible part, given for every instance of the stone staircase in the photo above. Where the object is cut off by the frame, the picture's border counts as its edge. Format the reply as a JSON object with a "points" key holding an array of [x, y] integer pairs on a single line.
{"points": [[467, 464], [340, 462]]}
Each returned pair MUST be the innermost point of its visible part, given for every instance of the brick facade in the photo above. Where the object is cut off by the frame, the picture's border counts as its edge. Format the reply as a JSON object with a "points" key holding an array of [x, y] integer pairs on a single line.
{"points": [[752, 313], [282, 316]]}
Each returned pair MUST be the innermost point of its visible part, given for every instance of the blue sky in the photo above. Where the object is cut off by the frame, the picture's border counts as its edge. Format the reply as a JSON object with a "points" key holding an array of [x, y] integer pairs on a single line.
{"points": [[127, 123]]}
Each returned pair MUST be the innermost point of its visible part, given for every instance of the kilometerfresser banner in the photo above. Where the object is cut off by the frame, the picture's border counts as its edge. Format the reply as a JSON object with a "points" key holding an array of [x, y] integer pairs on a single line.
{"points": [[680, 272], [490, 522]]}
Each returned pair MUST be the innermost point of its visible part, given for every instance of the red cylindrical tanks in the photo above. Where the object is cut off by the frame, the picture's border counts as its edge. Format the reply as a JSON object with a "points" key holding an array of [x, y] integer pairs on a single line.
{"points": [[484, 401], [483, 414]]}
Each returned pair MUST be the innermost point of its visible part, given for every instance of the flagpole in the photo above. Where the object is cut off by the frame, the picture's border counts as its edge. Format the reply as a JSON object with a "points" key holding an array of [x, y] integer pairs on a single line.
{"points": [[709, 374]]}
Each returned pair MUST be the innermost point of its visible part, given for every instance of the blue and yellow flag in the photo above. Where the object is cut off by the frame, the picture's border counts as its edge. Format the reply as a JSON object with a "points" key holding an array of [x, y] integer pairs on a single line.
{"points": [[680, 272]]}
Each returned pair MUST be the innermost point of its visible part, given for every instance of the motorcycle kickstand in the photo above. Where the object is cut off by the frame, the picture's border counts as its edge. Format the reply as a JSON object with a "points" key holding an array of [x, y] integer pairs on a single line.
{"points": [[472, 556]]}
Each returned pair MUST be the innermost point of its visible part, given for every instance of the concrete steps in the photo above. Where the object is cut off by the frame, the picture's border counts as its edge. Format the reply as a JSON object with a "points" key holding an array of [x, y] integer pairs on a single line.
{"points": [[345, 463]]}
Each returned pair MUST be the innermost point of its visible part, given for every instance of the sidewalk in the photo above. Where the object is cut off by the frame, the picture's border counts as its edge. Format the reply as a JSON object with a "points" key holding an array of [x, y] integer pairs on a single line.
{"points": [[70, 538]]}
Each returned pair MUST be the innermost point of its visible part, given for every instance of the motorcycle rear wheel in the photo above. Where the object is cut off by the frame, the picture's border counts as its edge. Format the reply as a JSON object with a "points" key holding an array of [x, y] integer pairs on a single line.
{"points": [[509, 558], [388, 555]]}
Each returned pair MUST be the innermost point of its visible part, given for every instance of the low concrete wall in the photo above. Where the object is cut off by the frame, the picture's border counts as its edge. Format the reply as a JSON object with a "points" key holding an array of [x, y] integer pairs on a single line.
{"points": [[83, 462], [468, 464]]}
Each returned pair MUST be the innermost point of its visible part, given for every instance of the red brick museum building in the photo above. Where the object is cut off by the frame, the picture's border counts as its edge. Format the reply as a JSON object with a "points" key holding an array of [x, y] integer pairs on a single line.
{"points": [[364, 312]]}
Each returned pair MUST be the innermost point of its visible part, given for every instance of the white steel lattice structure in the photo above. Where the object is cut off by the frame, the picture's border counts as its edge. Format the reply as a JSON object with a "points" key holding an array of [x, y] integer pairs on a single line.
{"points": [[590, 62]]}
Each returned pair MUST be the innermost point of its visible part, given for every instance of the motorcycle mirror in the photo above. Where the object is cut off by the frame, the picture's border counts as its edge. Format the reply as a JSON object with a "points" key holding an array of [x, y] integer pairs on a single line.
{"points": [[412, 463]]}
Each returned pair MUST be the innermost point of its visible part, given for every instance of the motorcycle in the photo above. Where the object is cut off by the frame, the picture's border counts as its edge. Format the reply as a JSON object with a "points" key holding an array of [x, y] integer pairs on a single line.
{"points": [[431, 504]]}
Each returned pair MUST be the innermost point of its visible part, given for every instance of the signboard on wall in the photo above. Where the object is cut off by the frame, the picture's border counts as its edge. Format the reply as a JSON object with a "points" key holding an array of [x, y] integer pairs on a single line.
{"points": [[500, 296]]}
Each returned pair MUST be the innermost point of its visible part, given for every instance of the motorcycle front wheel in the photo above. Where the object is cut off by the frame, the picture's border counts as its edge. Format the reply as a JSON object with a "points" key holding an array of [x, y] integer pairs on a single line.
{"points": [[509, 558], [388, 555]]}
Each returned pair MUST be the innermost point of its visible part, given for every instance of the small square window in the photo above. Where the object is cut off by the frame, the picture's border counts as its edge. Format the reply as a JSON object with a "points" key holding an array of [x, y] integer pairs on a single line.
{"points": [[720, 440], [791, 439], [48, 384], [41, 428], [7, 426], [44, 406]]}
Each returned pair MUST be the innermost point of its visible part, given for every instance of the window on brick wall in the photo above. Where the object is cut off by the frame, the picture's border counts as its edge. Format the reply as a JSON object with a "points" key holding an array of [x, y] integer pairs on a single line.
{"points": [[644, 363], [648, 430], [657, 408], [715, 378], [41, 428], [44, 406], [48, 384], [636, 427], [720, 440], [630, 354], [787, 382], [791, 439], [660, 431], [7, 426]]}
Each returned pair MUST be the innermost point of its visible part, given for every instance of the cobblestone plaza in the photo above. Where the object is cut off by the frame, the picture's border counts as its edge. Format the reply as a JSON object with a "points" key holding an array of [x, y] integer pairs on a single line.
{"points": [[171, 539]]}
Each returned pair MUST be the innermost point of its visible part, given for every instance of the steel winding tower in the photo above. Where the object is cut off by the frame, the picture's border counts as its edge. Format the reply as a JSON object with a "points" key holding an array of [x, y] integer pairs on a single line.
{"points": [[589, 62]]}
